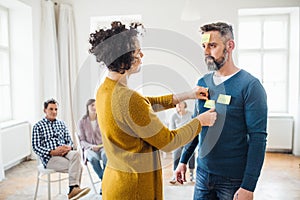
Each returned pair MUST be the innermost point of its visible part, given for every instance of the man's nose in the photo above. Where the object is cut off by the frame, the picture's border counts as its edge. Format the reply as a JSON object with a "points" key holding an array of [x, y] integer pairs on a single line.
{"points": [[206, 51]]}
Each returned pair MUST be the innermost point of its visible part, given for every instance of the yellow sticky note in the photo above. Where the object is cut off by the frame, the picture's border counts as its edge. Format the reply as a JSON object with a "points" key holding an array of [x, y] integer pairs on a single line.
{"points": [[209, 104], [100, 145], [224, 99], [205, 38]]}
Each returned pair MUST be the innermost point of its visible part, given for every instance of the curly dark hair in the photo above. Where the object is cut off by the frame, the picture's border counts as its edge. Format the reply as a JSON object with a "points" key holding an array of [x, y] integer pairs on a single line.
{"points": [[115, 46]]}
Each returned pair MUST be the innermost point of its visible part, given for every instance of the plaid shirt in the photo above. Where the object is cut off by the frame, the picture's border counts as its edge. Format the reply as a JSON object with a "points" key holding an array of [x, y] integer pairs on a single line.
{"points": [[48, 135]]}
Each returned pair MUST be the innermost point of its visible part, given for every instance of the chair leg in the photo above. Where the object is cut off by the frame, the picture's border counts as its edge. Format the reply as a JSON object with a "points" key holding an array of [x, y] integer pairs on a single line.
{"points": [[49, 186], [59, 183], [37, 186], [91, 179]]}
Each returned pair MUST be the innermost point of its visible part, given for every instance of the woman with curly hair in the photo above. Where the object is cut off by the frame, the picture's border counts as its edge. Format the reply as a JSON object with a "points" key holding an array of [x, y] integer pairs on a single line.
{"points": [[132, 133]]}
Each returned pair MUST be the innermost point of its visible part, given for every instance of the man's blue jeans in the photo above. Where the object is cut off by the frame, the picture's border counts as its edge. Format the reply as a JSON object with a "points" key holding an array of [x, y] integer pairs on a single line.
{"points": [[212, 187]]}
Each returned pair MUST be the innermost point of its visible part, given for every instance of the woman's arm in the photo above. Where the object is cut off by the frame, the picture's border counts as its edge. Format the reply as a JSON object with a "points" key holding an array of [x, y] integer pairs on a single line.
{"points": [[146, 125], [169, 101], [197, 93]]}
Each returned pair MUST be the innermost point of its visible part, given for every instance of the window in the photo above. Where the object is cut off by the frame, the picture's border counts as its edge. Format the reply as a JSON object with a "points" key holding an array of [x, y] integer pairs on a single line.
{"points": [[5, 83], [264, 51]]}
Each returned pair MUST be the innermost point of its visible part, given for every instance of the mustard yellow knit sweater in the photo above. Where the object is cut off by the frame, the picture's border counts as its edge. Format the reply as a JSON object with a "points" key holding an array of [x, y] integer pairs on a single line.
{"points": [[132, 136]]}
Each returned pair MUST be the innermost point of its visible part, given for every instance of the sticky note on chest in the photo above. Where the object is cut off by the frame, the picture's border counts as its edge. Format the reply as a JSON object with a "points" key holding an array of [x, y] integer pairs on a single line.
{"points": [[205, 38], [224, 99], [209, 104]]}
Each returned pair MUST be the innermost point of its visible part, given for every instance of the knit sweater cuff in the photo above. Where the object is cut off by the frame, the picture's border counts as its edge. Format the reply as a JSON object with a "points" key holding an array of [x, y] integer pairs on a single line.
{"points": [[249, 183]]}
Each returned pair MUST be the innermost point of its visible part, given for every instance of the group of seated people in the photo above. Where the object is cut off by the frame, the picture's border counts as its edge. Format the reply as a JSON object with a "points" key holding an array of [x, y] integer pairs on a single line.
{"points": [[51, 141]]}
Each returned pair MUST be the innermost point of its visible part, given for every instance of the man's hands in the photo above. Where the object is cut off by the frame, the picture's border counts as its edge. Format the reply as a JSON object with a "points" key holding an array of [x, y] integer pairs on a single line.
{"points": [[242, 194], [180, 173], [60, 151]]}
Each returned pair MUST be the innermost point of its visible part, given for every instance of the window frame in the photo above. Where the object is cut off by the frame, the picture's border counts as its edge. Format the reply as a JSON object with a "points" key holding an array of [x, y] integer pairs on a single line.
{"points": [[258, 15], [5, 49]]}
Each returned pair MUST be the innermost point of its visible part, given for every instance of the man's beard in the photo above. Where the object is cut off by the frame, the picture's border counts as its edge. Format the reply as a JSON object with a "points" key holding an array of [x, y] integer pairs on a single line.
{"points": [[213, 64]]}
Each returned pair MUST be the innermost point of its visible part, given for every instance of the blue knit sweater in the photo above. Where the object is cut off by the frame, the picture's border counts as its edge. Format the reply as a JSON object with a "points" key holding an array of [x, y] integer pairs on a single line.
{"points": [[235, 146]]}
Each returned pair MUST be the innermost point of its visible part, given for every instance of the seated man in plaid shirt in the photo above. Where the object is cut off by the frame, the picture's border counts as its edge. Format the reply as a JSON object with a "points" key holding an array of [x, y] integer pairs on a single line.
{"points": [[51, 141]]}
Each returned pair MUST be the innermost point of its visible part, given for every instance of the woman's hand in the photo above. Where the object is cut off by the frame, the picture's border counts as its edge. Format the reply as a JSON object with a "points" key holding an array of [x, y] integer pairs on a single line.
{"points": [[200, 93], [197, 93], [208, 118], [96, 148]]}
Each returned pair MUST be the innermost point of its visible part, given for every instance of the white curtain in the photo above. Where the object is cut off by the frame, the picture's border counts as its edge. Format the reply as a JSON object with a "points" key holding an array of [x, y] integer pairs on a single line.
{"points": [[59, 58], [68, 67], [49, 63]]}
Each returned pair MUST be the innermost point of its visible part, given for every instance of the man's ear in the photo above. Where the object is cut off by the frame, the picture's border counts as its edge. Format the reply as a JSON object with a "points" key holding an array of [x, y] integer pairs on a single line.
{"points": [[230, 45]]}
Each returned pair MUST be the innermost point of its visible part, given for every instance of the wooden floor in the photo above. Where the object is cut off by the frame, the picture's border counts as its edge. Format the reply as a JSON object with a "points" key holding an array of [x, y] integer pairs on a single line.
{"points": [[280, 180]]}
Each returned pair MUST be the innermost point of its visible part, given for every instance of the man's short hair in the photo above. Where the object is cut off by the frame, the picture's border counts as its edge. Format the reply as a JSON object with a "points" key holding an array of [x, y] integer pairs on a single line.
{"points": [[49, 101], [223, 28]]}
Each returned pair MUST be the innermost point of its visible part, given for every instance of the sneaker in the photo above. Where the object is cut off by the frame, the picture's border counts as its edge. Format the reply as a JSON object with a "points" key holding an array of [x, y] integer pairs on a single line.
{"points": [[77, 193], [173, 181]]}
